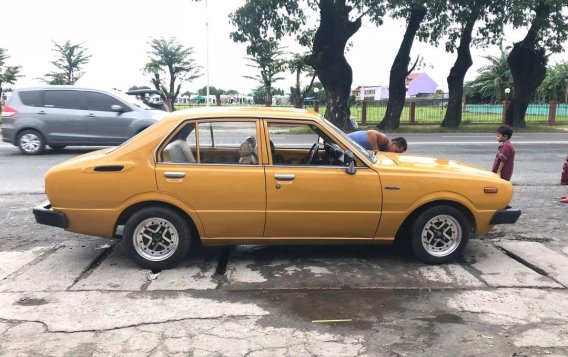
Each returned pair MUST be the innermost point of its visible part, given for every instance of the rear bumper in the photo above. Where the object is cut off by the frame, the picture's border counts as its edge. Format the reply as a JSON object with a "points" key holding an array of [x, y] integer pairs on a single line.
{"points": [[7, 134], [506, 216], [45, 215]]}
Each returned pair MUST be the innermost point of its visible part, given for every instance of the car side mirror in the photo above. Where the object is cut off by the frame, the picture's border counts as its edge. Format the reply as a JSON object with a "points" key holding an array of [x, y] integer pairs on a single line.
{"points": [[350, 161], [117, 108]]}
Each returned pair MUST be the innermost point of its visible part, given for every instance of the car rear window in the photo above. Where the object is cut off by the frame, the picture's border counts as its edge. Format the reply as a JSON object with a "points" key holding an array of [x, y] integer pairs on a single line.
{"points": [[30, 98]]}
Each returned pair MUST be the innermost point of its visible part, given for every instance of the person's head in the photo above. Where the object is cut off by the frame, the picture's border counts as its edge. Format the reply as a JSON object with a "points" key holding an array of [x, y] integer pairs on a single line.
{"points": [[504, 133], [397, 145]]}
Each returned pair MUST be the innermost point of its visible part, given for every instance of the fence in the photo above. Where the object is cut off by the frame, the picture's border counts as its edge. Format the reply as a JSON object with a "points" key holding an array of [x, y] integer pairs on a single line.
{"points": [[432, 111]]}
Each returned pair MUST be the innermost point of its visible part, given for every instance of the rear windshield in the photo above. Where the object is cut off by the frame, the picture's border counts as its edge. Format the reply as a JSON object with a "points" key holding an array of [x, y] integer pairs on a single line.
{"points": [[31, 98]]}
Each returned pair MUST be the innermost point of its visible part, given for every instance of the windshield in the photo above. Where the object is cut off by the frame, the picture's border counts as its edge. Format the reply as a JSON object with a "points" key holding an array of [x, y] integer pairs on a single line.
{"points": [[130, 99], [359, 148]]}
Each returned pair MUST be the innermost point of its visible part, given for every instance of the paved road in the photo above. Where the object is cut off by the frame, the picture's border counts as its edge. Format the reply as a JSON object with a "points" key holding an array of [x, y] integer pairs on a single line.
{"points": [[68, 294]]}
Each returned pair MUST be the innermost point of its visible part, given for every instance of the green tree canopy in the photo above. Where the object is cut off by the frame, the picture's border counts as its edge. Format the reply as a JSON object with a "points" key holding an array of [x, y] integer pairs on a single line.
{"points": [[172, 59], [555, 85], [8, 74], [339, 20], [69, 61]]}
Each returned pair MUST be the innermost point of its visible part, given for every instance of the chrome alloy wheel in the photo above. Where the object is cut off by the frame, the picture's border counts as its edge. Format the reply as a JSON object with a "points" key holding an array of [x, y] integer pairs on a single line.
{"points": [[441, 235], [30, 142], [155, 239]]}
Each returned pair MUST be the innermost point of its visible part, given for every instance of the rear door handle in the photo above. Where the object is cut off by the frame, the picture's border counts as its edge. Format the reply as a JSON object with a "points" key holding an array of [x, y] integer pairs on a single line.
{"points": [[176, 175], [90, 115], [284, 177], [41, 112]]}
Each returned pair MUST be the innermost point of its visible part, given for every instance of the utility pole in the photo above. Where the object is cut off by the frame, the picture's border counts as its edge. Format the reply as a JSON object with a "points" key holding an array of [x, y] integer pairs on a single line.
{"points": [[207, 48]]}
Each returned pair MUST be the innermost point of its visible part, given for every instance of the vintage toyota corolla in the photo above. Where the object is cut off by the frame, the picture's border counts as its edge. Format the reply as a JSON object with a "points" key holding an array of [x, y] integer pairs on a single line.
{"points": [[230, 176]]}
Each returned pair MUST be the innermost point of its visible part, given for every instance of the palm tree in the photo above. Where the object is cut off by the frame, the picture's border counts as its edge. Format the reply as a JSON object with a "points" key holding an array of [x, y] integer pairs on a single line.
{"points": [[492, 80], [69, 61], [172, 58], [267, 60]]}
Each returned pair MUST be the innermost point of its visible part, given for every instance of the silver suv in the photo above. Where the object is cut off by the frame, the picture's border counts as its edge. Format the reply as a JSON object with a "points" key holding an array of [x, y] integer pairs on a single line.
{"points": [[60, 116]]}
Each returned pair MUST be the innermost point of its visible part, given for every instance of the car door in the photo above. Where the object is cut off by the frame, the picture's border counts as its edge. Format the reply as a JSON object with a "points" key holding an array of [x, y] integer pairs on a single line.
{"points": [[319, 199], [63, 116], [105, 125], [210, 164]]}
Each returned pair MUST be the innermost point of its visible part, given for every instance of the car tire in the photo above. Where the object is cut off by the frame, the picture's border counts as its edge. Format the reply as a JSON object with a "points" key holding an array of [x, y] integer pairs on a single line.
{"points": [[157, 238], [439, 234], [30, 142], [57, 147]]}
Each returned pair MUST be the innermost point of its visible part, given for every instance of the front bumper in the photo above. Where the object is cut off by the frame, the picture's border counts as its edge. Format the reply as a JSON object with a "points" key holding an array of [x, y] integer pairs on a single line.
{"points": [[45, 215], [506, 216]]}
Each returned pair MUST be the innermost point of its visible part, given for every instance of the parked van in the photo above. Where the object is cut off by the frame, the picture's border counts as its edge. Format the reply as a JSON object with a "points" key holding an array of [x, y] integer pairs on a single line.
{"points": [[61, 116]]}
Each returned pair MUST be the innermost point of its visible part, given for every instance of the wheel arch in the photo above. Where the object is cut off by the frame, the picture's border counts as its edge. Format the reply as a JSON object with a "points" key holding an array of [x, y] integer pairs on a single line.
{"points": [[130, 210], [403, 230]]}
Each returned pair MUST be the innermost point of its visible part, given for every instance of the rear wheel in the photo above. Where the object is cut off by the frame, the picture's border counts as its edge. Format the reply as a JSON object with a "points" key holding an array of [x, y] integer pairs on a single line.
{"points": [[157, 237], [440, 234], [31, 142]]}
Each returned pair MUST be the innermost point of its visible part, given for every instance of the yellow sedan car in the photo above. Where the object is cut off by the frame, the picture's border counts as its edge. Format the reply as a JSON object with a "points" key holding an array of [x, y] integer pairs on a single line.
{"points": [[230, 176]]}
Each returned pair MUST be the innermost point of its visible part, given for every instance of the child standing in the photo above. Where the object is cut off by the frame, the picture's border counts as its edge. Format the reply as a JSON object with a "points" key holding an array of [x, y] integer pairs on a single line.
{"points": [[505, 158]]}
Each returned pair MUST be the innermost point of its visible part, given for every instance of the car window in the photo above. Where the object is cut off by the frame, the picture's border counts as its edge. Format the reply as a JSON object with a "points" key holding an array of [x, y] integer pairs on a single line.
{"points": [[31, 98], [228, 143], [182, 146], [66, 99], [303, 144], [102, 102]]}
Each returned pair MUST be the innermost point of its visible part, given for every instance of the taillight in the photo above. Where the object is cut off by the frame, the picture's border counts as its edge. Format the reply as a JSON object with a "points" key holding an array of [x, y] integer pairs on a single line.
{"points": [[8, 112]]}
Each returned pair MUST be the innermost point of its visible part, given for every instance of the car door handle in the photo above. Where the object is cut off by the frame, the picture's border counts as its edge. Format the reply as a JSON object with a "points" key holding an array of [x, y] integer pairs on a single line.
{"points": [[41, 112], [90, 115], [176, 175], [284, 177]]}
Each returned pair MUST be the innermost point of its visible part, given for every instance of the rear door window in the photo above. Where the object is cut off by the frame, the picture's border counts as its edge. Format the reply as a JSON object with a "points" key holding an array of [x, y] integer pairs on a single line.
{"points": [[64, 99], [31, 98], [102, 102]]}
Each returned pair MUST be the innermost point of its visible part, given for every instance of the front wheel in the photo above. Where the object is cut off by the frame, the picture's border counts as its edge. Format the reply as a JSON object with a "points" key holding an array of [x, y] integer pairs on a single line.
{"points": [[157, 237], [31, 142], [440, 234]]}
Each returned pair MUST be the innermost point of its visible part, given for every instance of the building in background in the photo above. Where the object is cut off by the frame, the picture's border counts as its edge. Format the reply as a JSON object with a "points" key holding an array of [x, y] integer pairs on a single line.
{"points": [[418, 84]]}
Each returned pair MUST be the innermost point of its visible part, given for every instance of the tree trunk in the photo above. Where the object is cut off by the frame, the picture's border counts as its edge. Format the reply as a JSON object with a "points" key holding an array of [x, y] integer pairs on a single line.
{"points": [[328, 59], [527, 61], [453, 116], [399, 71], [268, 96]]}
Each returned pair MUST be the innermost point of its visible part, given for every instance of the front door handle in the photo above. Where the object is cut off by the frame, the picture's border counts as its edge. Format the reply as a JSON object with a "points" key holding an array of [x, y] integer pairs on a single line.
{"points": [[175, 175], [284, 177], [41, 112], [91, 115]]}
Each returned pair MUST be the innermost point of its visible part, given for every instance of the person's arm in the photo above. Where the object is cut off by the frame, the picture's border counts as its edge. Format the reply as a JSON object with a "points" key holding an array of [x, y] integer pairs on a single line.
{"points": [[501, 165], [377, 138]]}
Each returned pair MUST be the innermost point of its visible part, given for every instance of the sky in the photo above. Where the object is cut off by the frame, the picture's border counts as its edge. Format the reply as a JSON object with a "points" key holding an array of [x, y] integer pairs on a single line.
{"points": [[116, 34]]}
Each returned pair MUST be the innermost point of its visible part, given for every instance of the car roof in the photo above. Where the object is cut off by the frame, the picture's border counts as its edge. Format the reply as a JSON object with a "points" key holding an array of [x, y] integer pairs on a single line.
{"points": [[232, 112], [68, 87]]}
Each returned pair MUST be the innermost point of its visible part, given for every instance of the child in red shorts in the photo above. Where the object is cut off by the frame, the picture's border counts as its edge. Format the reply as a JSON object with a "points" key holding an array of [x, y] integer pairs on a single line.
{"points": [[505, 158]]}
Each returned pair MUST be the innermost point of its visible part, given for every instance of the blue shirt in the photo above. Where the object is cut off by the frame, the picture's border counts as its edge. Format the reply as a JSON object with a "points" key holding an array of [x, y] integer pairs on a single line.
{"points": [[361, 137]]}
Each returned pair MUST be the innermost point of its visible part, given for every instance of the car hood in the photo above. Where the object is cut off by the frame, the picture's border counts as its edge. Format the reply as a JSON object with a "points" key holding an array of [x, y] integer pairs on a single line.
{"points": [[418, 162]]}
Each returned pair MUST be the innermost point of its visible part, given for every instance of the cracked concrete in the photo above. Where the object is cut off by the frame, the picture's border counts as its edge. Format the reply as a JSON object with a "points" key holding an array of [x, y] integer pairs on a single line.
{"points": [[61, 294]]}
